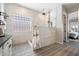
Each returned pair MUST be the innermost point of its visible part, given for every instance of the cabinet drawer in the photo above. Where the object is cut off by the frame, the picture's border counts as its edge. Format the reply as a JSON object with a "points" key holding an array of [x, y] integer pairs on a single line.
{"points": [[7, 47], [7, 43], [0, 51]]}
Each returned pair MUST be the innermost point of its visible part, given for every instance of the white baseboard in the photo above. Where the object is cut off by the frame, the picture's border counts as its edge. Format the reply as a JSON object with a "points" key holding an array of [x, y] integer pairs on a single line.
{"points": [[60, 42], [19, 43]]}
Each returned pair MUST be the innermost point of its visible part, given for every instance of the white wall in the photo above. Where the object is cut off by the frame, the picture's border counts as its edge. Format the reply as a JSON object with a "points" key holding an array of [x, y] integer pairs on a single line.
{"points": [[66, 23], [50, 36], [55, 34], [59, 25], [2, 7], [47, 35], [73, 19], [12, 10], [37, 19], [73, 15]]}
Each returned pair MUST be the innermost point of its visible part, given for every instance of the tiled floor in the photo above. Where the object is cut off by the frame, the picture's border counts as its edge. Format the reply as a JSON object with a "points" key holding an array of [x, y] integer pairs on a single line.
{"points": [[67, 49], [21, 50]]}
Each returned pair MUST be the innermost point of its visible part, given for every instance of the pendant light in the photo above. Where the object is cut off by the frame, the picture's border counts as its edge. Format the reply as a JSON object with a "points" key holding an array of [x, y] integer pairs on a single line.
{"points": [[43, 13]]}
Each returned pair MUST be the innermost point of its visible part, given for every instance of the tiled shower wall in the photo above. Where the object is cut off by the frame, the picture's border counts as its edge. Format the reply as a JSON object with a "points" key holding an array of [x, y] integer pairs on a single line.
{"points": [[37, 19], [13, 10]]}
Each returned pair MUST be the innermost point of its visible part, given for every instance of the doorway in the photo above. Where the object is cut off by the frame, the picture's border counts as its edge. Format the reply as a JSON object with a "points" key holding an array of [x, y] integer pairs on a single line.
{"points": [[71, 28]]}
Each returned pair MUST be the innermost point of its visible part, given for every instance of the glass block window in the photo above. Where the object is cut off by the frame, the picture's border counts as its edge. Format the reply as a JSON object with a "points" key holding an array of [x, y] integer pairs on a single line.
{"points": [[21, 23]]}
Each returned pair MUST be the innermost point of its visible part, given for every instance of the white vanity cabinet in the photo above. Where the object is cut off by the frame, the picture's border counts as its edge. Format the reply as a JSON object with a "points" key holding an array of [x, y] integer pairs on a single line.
{"points": [[7, 47], [0, 51]]}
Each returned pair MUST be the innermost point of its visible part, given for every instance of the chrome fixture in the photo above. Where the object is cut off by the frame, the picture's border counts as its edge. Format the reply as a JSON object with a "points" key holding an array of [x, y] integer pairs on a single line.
{"points": [[49, 20], [43, 13]]}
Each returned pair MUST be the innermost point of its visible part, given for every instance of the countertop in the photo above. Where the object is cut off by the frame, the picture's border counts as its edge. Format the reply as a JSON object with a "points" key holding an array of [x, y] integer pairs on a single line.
{"points": [[4, 39]]}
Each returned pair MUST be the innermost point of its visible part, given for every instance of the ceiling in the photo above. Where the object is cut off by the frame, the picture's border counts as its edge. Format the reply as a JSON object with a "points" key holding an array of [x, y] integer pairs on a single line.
{"points": [[70, 7], [39, 6]]}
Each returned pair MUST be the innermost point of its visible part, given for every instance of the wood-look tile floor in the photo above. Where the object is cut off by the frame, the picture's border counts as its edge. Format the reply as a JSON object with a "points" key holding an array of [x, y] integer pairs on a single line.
{"points": [[66, 49]]}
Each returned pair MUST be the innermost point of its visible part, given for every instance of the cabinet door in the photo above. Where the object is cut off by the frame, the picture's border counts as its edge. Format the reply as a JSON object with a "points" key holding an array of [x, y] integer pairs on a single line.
{"points": [[5, 51], [7, 48], [0, 51], [10, 47]]}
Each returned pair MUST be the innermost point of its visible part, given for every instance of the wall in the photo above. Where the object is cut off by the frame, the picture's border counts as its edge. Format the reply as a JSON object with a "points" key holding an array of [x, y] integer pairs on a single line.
{"points": [[55, 34], [59, 25], [48, 36], [37, 19], [1, 7], [66, 23], [12, 10], [73, 19], [73, 15]]}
